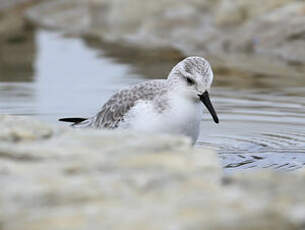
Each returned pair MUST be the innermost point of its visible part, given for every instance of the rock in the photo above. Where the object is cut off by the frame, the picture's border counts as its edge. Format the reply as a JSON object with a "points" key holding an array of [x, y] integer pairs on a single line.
{"points": [[11, 13], [17, 56], [236, 12], [280, 33], [17, 48], [68, 15], [61, 178], [241, 35], [8, 4], [22, 129]]}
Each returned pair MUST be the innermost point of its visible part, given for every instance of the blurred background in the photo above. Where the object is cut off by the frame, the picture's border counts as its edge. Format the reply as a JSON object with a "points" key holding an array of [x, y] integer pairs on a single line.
{"points": [[63, 58]]}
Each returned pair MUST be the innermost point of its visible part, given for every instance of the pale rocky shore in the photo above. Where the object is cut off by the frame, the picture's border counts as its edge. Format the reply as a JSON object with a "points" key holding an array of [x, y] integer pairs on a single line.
{"points": [[249, 37], [241, 37], [54, 177]]}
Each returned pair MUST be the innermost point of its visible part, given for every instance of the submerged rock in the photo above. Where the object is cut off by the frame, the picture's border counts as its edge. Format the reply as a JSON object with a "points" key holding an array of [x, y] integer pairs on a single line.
{"points": [[62, 178]]}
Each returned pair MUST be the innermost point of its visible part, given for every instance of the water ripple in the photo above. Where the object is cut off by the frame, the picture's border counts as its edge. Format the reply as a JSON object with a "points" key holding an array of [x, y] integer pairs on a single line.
{"points": [[258, 130]]}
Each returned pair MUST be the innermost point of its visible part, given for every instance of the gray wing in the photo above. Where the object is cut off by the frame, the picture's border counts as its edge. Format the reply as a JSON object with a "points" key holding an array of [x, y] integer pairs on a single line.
{"points": [[114, 110]]}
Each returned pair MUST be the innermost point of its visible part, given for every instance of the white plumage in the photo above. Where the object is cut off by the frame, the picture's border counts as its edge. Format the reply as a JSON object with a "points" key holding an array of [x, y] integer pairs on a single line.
{"points": [[159, 106]]}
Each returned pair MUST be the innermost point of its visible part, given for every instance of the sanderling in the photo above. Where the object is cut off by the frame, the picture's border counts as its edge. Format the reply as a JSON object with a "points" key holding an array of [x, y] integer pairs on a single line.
{"points": [[159, 106]]}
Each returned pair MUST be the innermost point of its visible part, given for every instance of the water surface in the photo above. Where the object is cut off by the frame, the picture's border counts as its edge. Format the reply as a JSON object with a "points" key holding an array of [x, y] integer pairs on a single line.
{"points": [[49, 76]]}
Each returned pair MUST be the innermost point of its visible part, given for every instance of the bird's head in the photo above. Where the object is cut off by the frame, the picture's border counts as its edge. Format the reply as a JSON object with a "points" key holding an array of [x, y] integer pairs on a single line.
{"points": [[193, 76]]}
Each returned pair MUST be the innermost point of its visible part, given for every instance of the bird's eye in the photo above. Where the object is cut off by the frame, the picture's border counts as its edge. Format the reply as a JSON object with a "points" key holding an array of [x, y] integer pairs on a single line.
{"points": [[190, 81]]}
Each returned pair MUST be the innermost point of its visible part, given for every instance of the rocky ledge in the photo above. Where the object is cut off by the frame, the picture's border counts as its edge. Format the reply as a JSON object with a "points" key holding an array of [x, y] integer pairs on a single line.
{"points": [[254, 37], [54, 177]]}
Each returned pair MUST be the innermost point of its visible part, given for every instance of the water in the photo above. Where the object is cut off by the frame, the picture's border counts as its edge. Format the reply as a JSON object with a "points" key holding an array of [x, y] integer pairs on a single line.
{"points": [[260, 128], [48, 76]]}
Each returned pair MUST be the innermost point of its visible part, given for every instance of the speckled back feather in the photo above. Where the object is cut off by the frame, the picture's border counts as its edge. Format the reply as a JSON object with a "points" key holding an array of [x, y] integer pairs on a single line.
{"points": [[113, 112]]}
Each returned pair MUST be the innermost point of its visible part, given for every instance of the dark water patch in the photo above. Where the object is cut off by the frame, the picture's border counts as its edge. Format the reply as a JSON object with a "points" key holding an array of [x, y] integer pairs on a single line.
{"points": [[148, 63]]}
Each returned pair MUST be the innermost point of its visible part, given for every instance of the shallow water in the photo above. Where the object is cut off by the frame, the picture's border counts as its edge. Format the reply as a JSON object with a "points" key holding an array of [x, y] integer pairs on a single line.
{"points": [[50, 76]]}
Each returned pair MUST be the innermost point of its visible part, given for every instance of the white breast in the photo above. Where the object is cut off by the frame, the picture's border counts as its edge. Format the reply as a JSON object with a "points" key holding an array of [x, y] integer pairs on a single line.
{"points": [[180, 117]]}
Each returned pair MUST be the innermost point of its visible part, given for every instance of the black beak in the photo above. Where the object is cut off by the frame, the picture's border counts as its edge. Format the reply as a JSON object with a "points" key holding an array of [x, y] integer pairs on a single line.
{"points": [[204, 98]]}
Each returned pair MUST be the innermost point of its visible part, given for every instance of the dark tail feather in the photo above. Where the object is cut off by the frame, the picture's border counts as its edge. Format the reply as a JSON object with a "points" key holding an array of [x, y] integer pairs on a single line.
{"points": [[75, 120]]}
